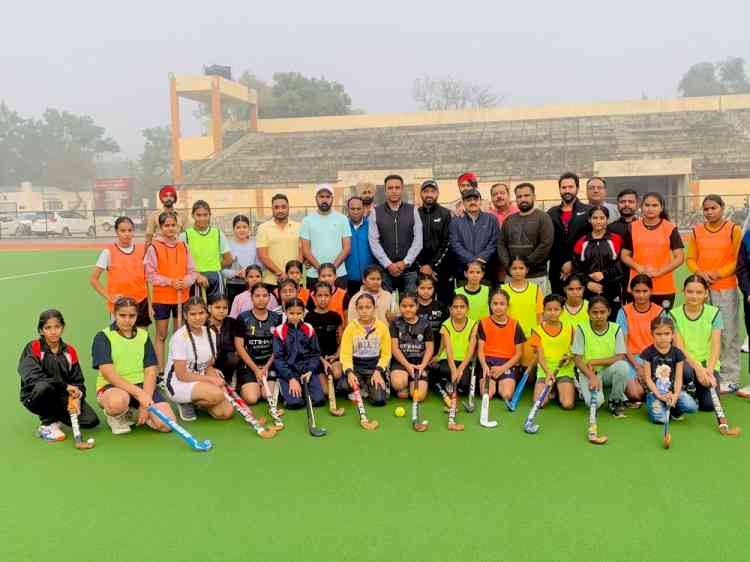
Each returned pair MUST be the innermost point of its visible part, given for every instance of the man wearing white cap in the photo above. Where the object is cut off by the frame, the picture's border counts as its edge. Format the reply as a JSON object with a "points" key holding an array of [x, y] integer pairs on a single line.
{"points": [[326, 237]]}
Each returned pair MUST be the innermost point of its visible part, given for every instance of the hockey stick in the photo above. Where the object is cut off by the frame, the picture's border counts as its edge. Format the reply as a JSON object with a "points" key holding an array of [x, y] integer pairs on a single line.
{"points": [[332, 396], [179, 310], [484, 415], [415, 423], [667, 437], [74, 408], [469, 406], [519, 390], [244, 410], [724, 428], [370, 425], [593, 431], [192, 442], [530, 426], [452, 425], [278, 424], [314, 430], [445, 397]]}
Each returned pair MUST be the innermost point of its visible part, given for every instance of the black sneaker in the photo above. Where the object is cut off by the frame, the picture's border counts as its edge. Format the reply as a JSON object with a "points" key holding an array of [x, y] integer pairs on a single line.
{"points": [[617, 408], [676, 414], [633, 404]]}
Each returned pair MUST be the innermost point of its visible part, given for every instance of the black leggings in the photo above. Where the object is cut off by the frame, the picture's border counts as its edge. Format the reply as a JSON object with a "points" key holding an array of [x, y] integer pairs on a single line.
{"points": [[228, 363], [442, 374], [49, 401]]}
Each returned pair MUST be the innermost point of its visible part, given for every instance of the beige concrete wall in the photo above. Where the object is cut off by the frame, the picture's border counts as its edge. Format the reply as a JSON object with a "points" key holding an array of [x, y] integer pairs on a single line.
{"points": [[196, 148], [711, 103], [735, 192]]}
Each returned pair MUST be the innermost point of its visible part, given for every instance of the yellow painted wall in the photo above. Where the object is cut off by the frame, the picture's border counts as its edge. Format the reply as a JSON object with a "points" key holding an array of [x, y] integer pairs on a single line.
{"points": [[735, 192], [196, 148], [711, 103]]}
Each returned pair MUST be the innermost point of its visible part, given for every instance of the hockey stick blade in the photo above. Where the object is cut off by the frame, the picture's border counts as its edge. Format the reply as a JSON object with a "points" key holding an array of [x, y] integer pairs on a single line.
{"points": [[315, 431], [176, 428], [593, 431], [333, 409]]}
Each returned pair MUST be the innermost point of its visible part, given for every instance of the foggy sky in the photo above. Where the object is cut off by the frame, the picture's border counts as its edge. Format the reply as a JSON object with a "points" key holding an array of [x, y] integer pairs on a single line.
{"points": [[111, 60]]}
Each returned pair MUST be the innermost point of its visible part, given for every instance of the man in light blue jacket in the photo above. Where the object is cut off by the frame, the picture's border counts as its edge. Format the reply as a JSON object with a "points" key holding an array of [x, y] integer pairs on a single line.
{"points": [[360, 256]]}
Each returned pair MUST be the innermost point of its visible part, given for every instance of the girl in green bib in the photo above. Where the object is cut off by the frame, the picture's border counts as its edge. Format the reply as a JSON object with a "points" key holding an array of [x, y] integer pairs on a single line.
{"points": [[599, 352], [698, 335], [209, 249], [576, 309], [551, 340], [126, 360], [477, 294], [459, 342], [526, 303]]}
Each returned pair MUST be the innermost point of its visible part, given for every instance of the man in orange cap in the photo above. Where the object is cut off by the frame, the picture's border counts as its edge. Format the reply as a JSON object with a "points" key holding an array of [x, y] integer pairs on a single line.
{"points": [[168, 198]]}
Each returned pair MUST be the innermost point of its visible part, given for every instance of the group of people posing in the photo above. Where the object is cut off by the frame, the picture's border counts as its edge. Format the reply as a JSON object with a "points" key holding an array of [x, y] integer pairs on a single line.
{"points": [[395, 299]]}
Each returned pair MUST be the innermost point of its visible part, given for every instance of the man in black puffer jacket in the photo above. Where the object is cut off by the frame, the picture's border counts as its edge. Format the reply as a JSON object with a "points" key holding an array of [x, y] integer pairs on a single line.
{"points": [[571, 222], [435, 257]]}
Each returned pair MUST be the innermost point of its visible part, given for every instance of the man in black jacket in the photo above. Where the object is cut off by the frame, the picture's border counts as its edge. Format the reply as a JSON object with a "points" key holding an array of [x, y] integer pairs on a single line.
{"points": [[395, 235], [435, 259], [571, 222]]}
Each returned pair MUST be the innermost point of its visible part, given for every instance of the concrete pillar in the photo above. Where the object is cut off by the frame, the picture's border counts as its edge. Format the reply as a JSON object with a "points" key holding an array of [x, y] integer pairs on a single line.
{"points": [[174, 105]]}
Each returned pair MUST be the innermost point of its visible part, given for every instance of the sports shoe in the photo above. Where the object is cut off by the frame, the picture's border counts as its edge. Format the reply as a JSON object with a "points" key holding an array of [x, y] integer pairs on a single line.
{"points": [[617, 408], [728, 388], [187, 412], [119, 424], [677, 415], [160, 381], [745, 346], [51, 432], [743, 392], [633, 404]]}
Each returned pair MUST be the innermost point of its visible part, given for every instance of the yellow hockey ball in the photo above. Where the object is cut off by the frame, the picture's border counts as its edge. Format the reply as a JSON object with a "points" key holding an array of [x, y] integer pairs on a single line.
{"points": [[400, 412]]}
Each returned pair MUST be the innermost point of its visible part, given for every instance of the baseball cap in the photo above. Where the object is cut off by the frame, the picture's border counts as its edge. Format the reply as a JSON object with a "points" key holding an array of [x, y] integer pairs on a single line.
{"points": [[323, 187], [469, 193], [429, 183]]}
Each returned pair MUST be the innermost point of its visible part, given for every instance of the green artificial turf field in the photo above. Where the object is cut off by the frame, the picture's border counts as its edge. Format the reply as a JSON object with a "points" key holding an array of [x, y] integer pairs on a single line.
{"points": [[388, 495]]}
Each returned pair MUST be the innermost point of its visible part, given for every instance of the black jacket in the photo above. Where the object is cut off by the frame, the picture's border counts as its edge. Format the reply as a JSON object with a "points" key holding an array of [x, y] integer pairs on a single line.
{"points": [[565, 238], [602, 255], [38, 363], [435, 252]]}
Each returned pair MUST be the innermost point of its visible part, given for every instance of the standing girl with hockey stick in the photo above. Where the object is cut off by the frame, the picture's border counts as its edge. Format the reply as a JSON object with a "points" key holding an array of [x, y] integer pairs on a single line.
{"points": [[126, 276], [501, 342], [244, 301], [552, 341], [412, 348], [253, 340], [191, 378], [366, 352], [296, 358], [50, 372], [170, 273], [126, 360], [209, 248]]}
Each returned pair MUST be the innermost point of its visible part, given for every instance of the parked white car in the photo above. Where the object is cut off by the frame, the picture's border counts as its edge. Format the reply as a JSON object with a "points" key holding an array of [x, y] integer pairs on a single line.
{"points": [[63, 223], [10, 226]]}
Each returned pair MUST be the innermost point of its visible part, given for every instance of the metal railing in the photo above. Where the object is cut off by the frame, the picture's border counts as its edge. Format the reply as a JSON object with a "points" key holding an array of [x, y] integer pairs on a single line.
{"points": [[684, 211]]}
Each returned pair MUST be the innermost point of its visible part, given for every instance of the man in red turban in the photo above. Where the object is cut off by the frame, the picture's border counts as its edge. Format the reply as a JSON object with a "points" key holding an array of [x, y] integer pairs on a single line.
{"points": [[168, 198]]}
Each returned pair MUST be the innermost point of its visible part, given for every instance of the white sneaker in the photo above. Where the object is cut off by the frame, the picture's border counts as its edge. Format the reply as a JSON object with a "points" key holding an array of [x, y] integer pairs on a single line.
{"points": [[187, 412], [728, 388], [743, 392], [51, 432], [119, 424], [745, 346]]}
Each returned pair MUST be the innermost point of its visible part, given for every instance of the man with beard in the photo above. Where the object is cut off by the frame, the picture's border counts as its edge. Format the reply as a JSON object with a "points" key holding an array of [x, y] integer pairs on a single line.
{"points": [[395, 233], [466, 181], [277, 241], [627, 205], [326, 238], [596, 193], [528, 233], [503, 207], [168, 198], [434, 259], [473, 236], [366, 191], [360, 257], [571, 222]]}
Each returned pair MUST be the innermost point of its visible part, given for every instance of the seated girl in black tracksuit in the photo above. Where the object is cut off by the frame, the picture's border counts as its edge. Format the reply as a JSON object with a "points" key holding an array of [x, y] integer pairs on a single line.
{"points": [[227, 359], [50, 373]]}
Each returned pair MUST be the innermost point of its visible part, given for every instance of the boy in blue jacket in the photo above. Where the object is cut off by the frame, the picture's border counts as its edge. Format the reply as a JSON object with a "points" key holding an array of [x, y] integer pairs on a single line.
{"points": [[360, 256], [296, 356]]}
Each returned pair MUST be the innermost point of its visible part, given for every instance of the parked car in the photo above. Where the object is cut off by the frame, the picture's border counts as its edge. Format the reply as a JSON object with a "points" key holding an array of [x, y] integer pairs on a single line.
{"points": [[106, 222], [10, 226], [63, 223]]}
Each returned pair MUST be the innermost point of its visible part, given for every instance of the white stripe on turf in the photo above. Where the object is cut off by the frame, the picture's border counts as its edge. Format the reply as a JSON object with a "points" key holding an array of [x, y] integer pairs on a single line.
{"points": [[21, 276]]}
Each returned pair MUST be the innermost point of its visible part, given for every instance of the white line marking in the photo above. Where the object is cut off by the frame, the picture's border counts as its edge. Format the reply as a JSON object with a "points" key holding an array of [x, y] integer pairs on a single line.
{"points": [[12, 277]]}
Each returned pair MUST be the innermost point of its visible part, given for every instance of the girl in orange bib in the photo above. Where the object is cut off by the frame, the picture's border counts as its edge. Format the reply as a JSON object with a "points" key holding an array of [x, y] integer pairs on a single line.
{"points": [[126, 277], [654, 247], [501, 342]]}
